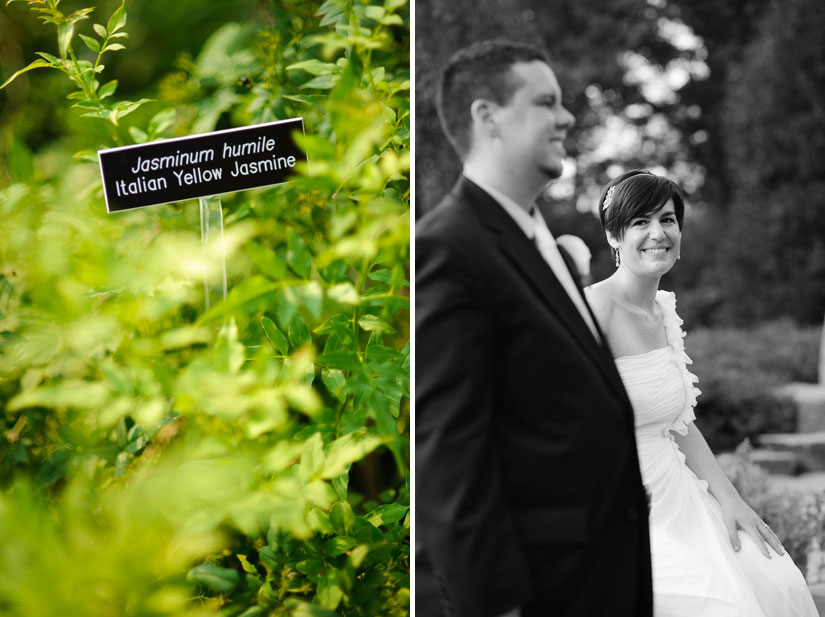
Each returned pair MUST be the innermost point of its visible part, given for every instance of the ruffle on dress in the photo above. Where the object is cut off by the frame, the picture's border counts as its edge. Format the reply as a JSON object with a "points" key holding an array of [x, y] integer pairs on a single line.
{"points": [[675, 338]]}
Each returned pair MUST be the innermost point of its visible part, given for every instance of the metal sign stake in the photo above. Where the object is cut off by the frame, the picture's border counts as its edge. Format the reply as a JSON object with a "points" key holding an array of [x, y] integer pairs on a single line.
{"points": [[212, 234]]}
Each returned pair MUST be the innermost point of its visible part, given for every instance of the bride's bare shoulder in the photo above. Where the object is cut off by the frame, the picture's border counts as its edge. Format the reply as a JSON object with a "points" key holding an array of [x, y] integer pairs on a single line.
{"points": [[601, 301]]}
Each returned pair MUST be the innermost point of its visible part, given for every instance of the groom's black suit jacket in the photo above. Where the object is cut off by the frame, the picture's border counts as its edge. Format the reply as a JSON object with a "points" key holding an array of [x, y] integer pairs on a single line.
{"points": [[528, 491]]}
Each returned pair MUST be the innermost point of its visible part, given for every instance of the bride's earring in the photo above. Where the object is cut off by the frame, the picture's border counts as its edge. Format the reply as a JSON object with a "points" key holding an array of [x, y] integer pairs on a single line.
{"points": [[618, 261], [679, 254]]}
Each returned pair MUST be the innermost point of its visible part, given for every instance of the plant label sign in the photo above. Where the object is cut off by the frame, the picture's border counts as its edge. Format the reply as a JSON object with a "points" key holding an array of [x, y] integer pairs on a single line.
{"points": [[226, 161]]}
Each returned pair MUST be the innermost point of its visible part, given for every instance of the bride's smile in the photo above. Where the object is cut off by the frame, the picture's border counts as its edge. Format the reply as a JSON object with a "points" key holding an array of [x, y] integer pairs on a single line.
{"points": [[650, 244]]}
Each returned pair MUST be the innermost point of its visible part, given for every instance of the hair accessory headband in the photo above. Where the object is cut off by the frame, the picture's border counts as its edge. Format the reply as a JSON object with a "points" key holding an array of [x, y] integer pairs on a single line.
{"points": [[609, 197]]}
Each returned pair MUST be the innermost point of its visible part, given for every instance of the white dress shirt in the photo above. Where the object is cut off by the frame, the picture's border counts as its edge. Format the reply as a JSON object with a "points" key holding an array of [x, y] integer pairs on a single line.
{"points": [[535, 228]]}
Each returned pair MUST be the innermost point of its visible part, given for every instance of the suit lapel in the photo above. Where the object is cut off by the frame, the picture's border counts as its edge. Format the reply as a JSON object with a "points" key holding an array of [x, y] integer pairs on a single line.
{"points": [[528, 260]]}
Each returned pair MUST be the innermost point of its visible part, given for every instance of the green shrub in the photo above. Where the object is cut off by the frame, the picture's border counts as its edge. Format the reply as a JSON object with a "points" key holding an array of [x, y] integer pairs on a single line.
{"points": [[162, 459], [738, 372]]}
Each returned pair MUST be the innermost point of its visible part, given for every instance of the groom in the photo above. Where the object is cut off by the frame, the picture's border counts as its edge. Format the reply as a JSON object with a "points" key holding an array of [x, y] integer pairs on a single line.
{"points": [[529, 499]]}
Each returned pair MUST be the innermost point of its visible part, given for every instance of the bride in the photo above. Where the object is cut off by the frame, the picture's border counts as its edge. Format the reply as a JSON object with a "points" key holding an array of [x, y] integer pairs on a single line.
{"points": [[712, 554]]}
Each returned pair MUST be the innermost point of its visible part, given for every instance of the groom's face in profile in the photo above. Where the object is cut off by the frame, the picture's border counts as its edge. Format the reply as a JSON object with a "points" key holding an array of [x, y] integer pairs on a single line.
{"points": [[533, 124]]}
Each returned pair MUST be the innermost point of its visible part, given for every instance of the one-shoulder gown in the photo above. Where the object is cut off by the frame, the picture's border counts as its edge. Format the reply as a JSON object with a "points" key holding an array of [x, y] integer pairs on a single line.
{"points": [[696, 572]]}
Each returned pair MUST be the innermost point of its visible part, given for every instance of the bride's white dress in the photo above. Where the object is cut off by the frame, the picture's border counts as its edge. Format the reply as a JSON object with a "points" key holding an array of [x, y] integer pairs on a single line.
{"points": [[696, 572]]}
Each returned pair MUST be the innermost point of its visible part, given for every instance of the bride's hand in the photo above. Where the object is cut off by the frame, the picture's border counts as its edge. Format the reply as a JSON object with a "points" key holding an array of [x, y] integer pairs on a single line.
{"points": [[738, 515]]}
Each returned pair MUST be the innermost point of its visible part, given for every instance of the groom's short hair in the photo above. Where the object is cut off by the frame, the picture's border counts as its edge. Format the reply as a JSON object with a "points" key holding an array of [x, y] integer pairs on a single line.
{"points": [[479, 71]]}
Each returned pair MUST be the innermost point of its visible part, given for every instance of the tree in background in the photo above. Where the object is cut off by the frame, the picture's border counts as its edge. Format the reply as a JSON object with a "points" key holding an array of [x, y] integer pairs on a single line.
{"points": [[774, 244]]}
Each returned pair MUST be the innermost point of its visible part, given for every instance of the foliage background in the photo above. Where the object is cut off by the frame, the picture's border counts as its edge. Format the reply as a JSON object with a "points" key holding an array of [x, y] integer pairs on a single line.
{"points": [[726, 99], [157, 458]]}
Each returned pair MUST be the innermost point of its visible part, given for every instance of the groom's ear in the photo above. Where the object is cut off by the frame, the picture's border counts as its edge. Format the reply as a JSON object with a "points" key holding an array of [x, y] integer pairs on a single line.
{"points": [[482, 111]]}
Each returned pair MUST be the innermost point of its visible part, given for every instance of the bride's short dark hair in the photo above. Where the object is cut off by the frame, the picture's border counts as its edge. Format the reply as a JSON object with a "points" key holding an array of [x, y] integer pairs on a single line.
{"points": [[634, 194], [481, 70]]}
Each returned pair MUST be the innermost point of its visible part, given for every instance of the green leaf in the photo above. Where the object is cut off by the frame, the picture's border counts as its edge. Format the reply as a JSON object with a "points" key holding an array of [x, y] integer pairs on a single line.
{"points": [[312, 297], [318, 520], [89, 156], [114, 47], [342, 517], [161, 121], [126, 107], [322, 82], [340, 324], [313, 67], [297, 255], [305, 609], [387, 514], [339, 545], [247, 567], [116, 377], [287, 305], [107, 89], [139, 136], [221, 580], [375, 12], [118, 18], [185, 336], [101, 31], [371, 323], [275, 336], [91, 43], [282, 455], [36, 64], [267, 260], [341, 359], [312, 458], [365, 532], [316, 100], [346, 450], [378, 74], [269, 559], [53, 59], [79, 14], [243, 293], [376, 353], [298, 332], [340, 485], [230, 352], [383, 275], [329, 591], [67, 393], [56, 467], [311, 567], [335, 382], [344, 293], [65, 32]]}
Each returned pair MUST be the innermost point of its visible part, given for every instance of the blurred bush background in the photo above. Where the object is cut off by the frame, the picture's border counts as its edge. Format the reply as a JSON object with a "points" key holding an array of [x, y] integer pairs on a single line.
{"points": [[157, 458], [739, 371]]}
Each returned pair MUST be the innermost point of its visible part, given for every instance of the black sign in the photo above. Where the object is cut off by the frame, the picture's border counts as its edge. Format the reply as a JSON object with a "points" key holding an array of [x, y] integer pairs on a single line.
{"points": [[170, 170]]}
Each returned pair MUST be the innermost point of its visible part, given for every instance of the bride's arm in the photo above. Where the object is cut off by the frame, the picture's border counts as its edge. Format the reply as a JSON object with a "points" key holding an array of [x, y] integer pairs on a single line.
{"points": [[735, 512]]}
